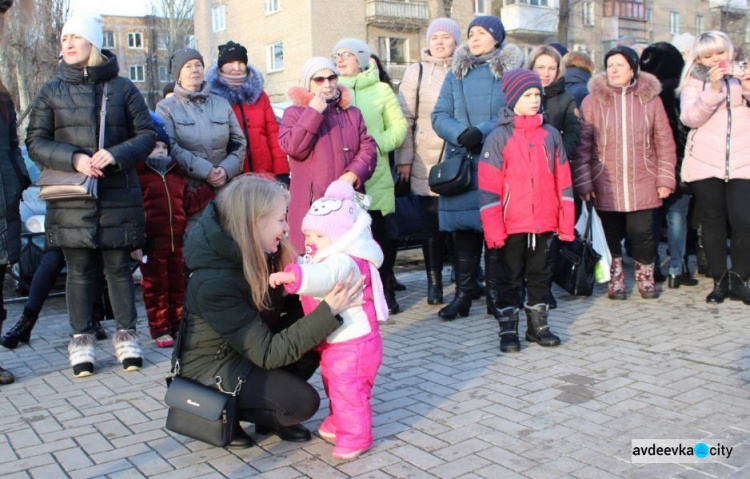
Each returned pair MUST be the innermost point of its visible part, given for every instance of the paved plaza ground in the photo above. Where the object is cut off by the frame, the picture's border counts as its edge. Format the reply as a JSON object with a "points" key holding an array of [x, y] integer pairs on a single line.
{"points": [[447, 403]]}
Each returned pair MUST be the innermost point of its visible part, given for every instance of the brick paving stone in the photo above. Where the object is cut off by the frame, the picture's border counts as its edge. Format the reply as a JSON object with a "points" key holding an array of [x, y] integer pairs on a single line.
{"points": [[460, 467], [150, 463], [403, 470], [102, 469], [51, 471], [73, 459]]}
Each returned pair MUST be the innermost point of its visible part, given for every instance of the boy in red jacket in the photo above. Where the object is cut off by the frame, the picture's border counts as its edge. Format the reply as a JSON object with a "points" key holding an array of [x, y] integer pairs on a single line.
{"points": [[168, 202], [525, 197]]}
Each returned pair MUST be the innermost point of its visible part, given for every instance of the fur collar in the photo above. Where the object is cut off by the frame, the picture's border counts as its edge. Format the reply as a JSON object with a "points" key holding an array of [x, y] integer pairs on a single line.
{"points": [[301, 97], [646, 87], [503, 59], [699, 72], [249, 92]]}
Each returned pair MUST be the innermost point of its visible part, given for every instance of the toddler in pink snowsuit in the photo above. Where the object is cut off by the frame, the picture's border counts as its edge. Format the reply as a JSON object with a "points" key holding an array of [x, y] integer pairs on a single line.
{"points": [[338, 241]]}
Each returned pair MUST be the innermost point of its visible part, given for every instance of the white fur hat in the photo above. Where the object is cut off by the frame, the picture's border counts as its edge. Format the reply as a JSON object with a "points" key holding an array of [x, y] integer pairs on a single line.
{"points": [[87, 26]]}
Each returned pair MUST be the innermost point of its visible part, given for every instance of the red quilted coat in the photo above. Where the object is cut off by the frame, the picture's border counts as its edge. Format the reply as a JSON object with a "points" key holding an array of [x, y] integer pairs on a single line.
{"points": [[168, 203], [257, 120], [524, 181]]}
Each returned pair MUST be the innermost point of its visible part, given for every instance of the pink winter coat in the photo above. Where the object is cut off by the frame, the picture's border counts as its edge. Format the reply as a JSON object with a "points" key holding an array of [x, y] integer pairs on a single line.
{"points": [[627, 149], [707, 153], [321, 148], [421, 150]]}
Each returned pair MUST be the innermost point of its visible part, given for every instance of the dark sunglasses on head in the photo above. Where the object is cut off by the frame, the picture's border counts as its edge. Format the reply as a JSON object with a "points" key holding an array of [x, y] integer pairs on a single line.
{"points": [[330, 78]]}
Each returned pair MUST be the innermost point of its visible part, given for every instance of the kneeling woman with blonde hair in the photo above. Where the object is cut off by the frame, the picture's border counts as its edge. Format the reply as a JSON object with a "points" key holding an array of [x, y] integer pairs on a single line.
{"points": [[236, 326]]}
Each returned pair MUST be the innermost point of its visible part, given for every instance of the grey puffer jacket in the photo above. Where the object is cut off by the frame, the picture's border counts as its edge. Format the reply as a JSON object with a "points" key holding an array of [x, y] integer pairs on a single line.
{"points": [[204, 132], [13, 179], [65, 120]]}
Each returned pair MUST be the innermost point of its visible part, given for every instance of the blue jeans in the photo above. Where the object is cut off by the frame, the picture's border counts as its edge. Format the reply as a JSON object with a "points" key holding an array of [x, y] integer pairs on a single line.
{"points": [[677, 224]]}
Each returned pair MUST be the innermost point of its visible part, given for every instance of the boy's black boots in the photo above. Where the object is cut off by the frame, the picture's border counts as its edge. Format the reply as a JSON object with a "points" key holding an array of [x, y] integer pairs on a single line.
{"points": [[537, 329], [508, 320]]}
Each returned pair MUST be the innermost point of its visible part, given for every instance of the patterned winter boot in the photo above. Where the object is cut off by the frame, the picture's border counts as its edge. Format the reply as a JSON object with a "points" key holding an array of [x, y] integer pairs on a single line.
{"points": [[644, 277], [617, 281], [82, 354], [128, 349]]}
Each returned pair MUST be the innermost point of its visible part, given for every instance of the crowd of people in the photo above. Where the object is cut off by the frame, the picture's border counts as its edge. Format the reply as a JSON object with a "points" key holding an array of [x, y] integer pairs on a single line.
{"points": [[285, 231]]}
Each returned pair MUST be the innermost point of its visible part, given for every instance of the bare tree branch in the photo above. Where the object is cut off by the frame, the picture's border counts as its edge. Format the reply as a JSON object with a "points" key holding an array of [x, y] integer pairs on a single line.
{"points": [[177, 27]]}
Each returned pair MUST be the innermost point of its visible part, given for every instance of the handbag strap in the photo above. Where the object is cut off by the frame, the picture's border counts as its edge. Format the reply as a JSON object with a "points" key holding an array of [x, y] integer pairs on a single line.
{"points": [[175, 372], [103, 114], [466, 108], [416, 109]]}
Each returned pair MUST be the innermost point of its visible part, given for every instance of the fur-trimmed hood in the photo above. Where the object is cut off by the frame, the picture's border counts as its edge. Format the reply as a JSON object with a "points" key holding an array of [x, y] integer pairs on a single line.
{"points": [[508, 57], [249, 92], [301, 97], [645, 87]]}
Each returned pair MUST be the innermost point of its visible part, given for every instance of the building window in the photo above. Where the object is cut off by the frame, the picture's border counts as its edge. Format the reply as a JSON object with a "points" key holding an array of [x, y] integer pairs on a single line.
{"points": [[480, 7], [135, 40], [109, 40], [699, 25], [588, 13], [161, 42], [276, 57], [163, 74], [674, 23], [218, 18], [272, 6], [537, 3], [393, 49], [136, 73]]}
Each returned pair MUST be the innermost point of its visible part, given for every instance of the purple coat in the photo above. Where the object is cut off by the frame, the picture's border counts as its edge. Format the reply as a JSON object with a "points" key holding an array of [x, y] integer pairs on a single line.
{"points": [[321, 148]]}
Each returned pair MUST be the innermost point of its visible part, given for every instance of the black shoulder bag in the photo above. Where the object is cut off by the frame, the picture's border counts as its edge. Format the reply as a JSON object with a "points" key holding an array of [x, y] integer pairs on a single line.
{"points": [[574, 268], [201, 412], [448, 178]]}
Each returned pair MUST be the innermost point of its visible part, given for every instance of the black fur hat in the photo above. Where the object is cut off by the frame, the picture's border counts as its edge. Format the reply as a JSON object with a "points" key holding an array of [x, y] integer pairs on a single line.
{"points": [[663, 60]]}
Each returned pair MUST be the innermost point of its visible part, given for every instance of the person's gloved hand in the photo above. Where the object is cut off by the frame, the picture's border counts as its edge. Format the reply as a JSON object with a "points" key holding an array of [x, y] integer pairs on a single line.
{"points": [[471, 139]]}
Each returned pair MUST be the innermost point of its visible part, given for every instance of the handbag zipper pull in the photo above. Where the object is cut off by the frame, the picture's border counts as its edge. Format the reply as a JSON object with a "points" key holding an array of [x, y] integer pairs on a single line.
{"points": [[224, 416]]}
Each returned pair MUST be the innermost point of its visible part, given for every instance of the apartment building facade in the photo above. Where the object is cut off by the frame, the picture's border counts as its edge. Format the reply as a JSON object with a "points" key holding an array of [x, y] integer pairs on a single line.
{"points": [[142, 54], [281, 35]]}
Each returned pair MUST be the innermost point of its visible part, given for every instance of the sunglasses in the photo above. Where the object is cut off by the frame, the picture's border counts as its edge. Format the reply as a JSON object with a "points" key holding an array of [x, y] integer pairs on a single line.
{"points": [[330, 78]]}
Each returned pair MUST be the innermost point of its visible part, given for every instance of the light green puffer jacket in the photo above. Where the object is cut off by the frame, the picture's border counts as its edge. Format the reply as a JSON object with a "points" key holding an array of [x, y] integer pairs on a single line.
{"points": [[386, 124]]}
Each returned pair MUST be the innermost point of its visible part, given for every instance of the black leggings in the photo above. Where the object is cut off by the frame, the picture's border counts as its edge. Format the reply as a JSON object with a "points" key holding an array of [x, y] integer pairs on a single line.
{"points": [[280, 397], [382, 233], [637, 224], [719, 201]]}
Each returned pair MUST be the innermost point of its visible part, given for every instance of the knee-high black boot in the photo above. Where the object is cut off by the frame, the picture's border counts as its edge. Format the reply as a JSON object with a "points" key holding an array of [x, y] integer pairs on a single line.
{"points": [[492, 272], [433, 261], [466, 253]]}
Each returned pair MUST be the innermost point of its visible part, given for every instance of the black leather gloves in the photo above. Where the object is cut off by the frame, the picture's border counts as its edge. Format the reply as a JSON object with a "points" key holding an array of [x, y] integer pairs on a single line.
{"points": [[471, 139]]}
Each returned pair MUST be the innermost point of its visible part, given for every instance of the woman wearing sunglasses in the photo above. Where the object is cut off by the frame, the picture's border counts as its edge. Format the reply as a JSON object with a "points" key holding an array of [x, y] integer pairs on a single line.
{"points": [[326, 140]]}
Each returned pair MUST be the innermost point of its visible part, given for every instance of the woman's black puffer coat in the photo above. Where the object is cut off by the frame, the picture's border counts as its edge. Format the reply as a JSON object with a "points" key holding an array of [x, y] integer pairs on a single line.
{"points": [[64, 121]]}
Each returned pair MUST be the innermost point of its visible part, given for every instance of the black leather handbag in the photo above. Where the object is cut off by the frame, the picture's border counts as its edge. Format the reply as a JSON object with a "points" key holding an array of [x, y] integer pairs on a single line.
{"points": [[448, 178], [198, 411], [574, 268]]}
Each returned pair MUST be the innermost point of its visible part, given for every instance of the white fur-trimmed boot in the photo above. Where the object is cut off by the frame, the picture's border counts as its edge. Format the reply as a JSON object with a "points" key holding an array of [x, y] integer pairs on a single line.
{"points": [[82, 354], [128, 349]]}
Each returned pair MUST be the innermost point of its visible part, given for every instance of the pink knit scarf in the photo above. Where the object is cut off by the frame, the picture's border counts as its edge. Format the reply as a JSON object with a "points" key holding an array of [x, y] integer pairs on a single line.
{"points": [[234, 80]]}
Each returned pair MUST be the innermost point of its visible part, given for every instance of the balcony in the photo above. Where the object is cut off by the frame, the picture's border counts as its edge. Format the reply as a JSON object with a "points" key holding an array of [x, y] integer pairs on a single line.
{"points": [[631, 10], [736, 7], [528, 22], [387, 14]]}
